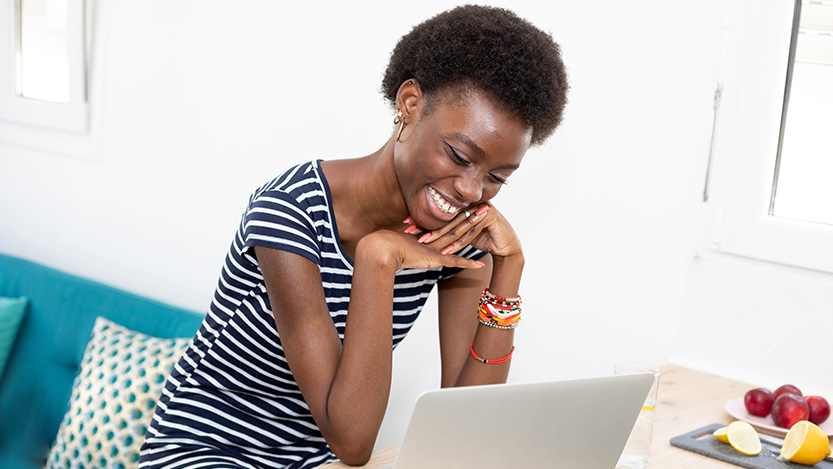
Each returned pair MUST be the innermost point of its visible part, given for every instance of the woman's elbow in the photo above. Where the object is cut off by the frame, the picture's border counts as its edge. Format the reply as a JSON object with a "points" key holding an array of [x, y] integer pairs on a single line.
{"points": [[351, 437], [354, 454]]}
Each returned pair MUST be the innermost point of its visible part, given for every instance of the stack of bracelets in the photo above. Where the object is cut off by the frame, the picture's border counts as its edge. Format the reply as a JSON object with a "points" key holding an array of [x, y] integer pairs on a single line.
{"points": [[500, 313]]}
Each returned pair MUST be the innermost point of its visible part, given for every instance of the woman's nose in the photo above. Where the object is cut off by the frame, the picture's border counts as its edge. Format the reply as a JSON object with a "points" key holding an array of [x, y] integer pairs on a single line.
{"points": [[470, 187]]}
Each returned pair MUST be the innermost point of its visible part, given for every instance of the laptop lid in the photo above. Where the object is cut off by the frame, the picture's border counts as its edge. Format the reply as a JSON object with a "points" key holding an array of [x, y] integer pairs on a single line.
{"points": [[577, 423]]}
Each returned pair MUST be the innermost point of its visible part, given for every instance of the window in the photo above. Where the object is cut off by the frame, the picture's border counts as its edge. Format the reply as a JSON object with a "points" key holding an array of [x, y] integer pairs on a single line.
{"points": [[771, 141], [44, 64], [804, 167], [42, 50]]}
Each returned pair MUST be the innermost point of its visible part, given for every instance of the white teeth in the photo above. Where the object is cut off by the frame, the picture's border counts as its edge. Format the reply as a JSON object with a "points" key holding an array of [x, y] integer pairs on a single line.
{"points": [[443, 204]]}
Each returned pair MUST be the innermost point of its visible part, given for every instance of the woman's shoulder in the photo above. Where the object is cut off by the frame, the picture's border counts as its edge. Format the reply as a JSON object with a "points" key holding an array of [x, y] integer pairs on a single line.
{"points": [[299, 194], [298, 179]]}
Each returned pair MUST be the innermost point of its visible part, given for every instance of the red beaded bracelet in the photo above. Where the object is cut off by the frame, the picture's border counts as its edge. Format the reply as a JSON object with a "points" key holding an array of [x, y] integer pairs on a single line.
{"points": [[491, 362], [499, 299]]}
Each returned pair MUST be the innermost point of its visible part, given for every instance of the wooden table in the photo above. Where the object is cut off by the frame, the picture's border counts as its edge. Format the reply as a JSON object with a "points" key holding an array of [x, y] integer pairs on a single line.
{"points": [[687, 400]]}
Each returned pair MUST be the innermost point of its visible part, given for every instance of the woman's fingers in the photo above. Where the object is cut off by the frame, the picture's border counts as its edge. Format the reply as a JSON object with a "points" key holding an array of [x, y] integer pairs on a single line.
{"points": [[412, 230], [462, 262], [455, 236], [455, 229], [420, 256], [485, 229]]}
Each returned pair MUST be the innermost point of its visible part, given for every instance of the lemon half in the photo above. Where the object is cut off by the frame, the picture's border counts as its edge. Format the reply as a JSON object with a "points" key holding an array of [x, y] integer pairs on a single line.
{"points": [[722, 434], [805, 443], [744, 438]]}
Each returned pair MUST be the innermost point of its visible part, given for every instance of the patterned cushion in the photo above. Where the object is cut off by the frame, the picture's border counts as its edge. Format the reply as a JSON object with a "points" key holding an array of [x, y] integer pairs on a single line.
{"points": [[11, 315], [113, 397]]}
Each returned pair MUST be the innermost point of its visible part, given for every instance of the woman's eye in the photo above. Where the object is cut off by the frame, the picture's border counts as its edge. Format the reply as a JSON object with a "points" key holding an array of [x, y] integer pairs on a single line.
{"points": [[452, 153], [456, 156], [498, 179]]}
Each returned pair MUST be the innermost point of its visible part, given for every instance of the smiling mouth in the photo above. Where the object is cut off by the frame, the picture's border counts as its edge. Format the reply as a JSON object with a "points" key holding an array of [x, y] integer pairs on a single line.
{"points": [[443, 204]]}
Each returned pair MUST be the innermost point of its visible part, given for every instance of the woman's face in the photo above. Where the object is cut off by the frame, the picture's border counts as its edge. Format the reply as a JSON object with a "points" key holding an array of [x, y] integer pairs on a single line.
{"points": [[457, 157]]}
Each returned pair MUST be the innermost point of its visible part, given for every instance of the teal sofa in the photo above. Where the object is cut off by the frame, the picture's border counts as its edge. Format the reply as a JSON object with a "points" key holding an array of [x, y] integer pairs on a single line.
{"points": [[36, 384]]}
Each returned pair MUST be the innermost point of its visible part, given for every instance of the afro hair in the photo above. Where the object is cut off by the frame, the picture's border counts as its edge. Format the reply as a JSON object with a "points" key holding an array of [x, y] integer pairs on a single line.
{"points": [[492, 50]]}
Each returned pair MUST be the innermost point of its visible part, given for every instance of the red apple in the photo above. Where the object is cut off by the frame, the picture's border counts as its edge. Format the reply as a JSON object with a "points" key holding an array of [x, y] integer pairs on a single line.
{"points": [[787, 388], [759, 401], [789, 409], [819, 408]]}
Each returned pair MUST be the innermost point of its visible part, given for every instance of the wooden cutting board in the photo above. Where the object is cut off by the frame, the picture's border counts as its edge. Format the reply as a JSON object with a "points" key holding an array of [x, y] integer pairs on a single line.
{"points": [[701, 441]]}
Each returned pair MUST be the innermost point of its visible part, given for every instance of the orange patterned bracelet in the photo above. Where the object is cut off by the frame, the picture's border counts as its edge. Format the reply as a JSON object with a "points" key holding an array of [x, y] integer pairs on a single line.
{"points": [[490, 321], [489, 318], [497, 310], [491, 362]]}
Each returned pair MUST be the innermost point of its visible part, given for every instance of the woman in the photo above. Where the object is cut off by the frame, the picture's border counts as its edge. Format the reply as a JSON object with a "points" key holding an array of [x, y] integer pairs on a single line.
{"points": [[292, 365]]}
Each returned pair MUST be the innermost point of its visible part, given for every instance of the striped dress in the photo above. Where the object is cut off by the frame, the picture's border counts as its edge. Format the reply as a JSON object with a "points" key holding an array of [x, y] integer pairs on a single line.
{"points": [[231, 400]]}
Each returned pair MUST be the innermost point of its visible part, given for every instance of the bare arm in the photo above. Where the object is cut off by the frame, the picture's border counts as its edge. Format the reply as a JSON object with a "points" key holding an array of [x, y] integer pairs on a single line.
{"points": [[460, 329], [346, 387]]}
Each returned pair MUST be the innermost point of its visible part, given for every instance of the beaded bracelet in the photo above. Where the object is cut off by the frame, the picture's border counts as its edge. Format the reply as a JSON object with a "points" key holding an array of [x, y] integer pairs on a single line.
{"points": [[491, 362], [501, 314], [499, 299], [485, 317], [500, 317], [500, 304], [491, 324]]}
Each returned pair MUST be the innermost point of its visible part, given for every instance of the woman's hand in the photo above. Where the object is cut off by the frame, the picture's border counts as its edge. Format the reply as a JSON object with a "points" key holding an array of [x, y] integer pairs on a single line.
{"points": [[404, 252], [486, 229]]}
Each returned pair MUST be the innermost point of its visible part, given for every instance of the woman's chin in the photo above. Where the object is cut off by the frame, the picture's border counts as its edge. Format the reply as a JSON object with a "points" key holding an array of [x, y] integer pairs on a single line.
{"points": [[433, 220]]}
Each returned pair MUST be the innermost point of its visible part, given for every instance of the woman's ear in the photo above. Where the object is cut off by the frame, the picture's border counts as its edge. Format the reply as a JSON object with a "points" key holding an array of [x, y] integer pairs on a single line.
{"points": [[410, 100]]}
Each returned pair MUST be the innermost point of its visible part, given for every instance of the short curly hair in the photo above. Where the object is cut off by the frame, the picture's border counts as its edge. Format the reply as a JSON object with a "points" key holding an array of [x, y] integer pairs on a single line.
{"points": [[491, 49]]}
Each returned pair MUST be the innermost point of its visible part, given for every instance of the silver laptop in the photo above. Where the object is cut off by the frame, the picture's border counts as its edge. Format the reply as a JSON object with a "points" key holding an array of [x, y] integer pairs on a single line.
{"points": [[572, 424]]}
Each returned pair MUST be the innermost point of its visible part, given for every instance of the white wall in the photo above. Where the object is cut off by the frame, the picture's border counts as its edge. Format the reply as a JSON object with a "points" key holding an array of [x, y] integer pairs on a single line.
{"points": [[759, 322], [197, 103]]}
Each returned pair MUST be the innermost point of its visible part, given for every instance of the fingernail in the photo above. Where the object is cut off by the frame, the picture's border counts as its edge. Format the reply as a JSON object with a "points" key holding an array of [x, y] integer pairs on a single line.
{"points": [[407, 220], [424, 237], [479, 263], [482, 210], [410, 228], [447, 250]]}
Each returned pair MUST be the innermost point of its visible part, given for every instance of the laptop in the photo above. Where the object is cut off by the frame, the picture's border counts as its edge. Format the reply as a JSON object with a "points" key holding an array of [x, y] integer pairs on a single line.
{"points": [[581, 423]]}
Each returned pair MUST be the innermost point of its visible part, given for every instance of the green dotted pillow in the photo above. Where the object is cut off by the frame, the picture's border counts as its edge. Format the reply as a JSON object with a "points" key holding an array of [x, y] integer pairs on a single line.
{"points": [[113, 397], [12, 311]]}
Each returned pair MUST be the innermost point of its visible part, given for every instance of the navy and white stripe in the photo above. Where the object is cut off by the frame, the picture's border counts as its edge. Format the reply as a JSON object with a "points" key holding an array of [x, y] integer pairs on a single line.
{"points": [[231, 401]]}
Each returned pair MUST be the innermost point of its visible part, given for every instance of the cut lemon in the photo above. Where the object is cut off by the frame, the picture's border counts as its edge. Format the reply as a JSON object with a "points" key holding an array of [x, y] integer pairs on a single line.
{"points": [[743, 438], [722, 434], [805, 443]]}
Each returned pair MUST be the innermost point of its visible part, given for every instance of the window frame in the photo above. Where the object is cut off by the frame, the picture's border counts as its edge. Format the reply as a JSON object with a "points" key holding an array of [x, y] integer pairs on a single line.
{"points": [[72, 117], [753, 78]]}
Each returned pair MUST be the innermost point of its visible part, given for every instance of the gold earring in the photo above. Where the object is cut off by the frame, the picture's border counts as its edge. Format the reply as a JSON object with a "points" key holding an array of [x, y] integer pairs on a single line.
{"points": [[399, 120]]}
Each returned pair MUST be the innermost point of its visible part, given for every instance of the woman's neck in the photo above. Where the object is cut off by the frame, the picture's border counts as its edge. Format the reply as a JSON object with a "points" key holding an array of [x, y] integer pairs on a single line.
{"points": [[366, 195]]}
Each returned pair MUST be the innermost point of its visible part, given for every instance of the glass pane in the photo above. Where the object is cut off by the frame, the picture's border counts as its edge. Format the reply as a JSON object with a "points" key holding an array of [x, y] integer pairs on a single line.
{"points": [[804, 189], [44, 50], [805, 179]]}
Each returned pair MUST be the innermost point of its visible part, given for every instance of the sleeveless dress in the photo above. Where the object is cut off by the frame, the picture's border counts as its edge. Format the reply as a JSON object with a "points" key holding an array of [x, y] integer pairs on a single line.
{"points": [[231, 400]]}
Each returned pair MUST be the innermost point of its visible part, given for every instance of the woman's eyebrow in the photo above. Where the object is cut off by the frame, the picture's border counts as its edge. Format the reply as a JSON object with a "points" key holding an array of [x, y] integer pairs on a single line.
{"points": [[470, 143]]}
